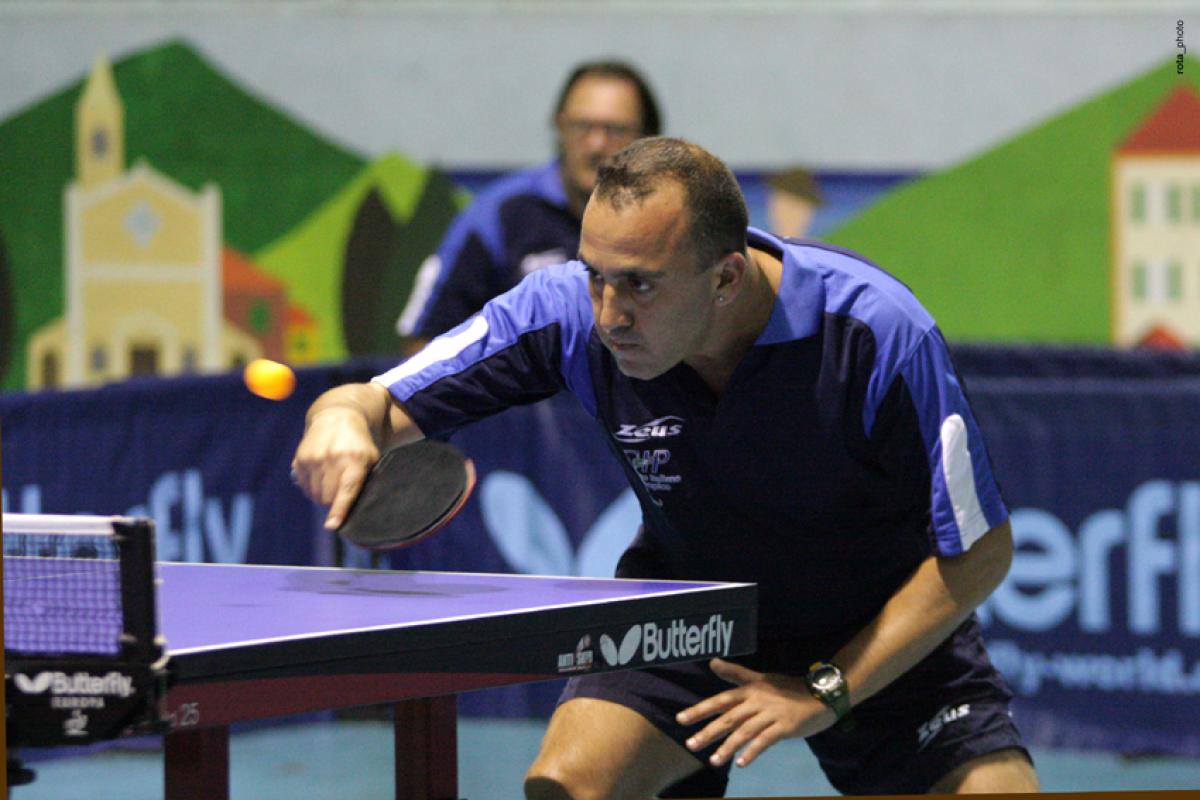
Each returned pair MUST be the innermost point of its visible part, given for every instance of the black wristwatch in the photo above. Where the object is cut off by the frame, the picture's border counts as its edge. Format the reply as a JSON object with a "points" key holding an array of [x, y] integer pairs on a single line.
{"points": [[825, 682]]}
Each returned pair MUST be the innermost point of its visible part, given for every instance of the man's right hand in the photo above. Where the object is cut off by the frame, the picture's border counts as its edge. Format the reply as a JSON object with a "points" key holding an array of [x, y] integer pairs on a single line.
{"points": [[334, 458], [346, 429]]}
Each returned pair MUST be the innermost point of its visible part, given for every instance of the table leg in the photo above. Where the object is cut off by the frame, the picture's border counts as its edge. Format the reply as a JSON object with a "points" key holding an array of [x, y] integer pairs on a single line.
{"points": [[427, 748], [196, 764]]}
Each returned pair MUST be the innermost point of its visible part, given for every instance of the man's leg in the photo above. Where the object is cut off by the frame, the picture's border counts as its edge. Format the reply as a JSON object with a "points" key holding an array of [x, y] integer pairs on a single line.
{"points": [[599, 750], [1005, 771]]}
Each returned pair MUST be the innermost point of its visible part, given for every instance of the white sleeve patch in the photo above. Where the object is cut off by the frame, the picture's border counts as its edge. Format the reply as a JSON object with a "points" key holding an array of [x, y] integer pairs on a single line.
{"points": [[440, 349], [959, 472], [419, 296]]}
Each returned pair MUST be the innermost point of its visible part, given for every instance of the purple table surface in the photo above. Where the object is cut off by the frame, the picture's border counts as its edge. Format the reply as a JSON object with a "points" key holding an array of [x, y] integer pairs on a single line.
{"points": [[213, 606]]}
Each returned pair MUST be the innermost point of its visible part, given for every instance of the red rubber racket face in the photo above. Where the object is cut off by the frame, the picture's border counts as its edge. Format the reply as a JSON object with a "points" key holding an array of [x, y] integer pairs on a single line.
{"points": [[412, 492]]}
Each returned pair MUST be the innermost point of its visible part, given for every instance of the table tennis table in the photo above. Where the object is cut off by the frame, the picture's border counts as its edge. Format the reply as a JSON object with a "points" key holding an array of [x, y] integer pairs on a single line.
{"points": [[246, 642]]}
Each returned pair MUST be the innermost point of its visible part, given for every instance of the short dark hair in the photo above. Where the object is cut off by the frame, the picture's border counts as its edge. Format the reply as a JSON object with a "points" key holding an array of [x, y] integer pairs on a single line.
{"points": [[714, 199], [651, 118]]}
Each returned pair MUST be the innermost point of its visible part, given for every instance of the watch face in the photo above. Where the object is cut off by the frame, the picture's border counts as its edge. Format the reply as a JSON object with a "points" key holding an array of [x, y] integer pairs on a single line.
{"points": [[825, 678]]}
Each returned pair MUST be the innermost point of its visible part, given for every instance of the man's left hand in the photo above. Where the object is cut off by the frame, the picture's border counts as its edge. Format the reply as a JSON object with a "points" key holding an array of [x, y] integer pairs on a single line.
{"points": [[761, 710]]}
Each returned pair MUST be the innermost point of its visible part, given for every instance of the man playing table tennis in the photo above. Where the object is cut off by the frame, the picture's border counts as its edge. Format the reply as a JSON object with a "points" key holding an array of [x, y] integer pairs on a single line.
{"points": [[788, 415]]}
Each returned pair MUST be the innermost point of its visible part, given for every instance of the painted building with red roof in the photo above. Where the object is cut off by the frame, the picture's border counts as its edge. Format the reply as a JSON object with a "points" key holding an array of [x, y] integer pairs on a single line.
{"points": [[255, 302], [1156, 227]]}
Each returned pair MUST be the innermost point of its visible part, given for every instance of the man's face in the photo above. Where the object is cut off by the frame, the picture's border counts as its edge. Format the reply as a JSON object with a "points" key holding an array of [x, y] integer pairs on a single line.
{"points": [[600, 116], [652, 303]]}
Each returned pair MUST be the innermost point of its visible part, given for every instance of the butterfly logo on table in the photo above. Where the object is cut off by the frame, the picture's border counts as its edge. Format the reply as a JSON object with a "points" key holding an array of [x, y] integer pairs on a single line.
{"points": [[619, 657], [33, 685]]}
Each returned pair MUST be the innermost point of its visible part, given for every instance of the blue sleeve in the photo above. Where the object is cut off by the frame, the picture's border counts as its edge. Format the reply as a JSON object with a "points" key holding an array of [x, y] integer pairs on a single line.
{"points": [[943, 444], [525, 345]]}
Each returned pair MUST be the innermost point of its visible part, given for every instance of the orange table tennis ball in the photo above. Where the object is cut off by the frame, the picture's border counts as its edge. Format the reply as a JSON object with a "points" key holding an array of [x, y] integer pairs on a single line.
{"points": [[269, 379]]}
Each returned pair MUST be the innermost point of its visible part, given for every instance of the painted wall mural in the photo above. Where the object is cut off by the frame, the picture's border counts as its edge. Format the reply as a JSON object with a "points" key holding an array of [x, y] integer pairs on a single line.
{"points": [[1082, 230], [1156, 227], [157, 218]]}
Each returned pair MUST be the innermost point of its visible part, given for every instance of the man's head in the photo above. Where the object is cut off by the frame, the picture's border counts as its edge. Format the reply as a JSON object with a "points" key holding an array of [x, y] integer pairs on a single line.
{"points": [[664, 241], [714, 205], [603, 106]]}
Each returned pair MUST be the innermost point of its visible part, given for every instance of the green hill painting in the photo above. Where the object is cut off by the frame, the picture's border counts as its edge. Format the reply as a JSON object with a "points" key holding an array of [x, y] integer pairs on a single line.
{"points": [[280, 183], [1015, 244]]}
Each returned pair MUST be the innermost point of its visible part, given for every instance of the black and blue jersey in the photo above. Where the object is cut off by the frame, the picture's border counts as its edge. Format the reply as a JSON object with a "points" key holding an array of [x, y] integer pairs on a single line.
{"points": [[515, 226], [840, 455]]}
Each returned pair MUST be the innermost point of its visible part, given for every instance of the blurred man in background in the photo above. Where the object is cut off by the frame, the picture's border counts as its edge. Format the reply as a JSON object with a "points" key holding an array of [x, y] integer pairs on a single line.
{"points": [[530, 219], [792, 202]]}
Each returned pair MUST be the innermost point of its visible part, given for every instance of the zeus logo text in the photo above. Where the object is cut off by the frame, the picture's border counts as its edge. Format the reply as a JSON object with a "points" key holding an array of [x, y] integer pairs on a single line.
{"points": [[659, 428], [944, 716]]}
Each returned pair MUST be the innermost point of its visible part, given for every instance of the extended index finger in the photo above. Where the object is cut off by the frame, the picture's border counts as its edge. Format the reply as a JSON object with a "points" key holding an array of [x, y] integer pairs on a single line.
{"points": [[349, 485]]}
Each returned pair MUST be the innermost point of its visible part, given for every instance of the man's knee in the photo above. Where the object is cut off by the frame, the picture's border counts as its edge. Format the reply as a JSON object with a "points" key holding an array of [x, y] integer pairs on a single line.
{"points": [[538, 787], [571, 764], [546, 781], [1004, 771], [566, 767], [598, 750]]}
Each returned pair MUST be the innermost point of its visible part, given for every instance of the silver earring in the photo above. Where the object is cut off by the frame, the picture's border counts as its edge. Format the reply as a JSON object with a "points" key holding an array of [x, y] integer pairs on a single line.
{"points": [[720, 298]]}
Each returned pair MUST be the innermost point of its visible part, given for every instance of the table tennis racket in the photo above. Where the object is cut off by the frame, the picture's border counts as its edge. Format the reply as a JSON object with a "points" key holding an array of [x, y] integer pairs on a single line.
{"points": [[410, 493]]}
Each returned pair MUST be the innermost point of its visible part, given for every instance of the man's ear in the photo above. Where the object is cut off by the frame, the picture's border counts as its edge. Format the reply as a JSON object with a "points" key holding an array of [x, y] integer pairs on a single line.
{"points": [[731, 271]]}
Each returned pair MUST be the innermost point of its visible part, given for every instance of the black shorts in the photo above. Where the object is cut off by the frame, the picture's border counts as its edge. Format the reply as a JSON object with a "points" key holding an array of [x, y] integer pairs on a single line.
{"points": [[948, 709]]}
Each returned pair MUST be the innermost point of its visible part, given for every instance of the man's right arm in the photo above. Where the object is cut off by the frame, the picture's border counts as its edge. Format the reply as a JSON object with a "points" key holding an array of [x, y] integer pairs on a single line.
{"points": [[525, 346], [346, 429]]}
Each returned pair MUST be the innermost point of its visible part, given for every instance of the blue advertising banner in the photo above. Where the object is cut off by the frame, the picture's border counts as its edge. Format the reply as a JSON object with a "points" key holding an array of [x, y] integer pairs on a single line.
{"points": [[204, 457], [1097, 626]]}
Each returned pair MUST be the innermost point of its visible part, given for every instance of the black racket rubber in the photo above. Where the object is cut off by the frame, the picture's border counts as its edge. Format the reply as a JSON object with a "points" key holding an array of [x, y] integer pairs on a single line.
{"points": [[411, 492]]}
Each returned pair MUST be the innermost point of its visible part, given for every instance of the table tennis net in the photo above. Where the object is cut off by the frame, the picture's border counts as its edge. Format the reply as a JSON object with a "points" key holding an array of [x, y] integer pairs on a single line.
{"points": [[77, 586]]}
